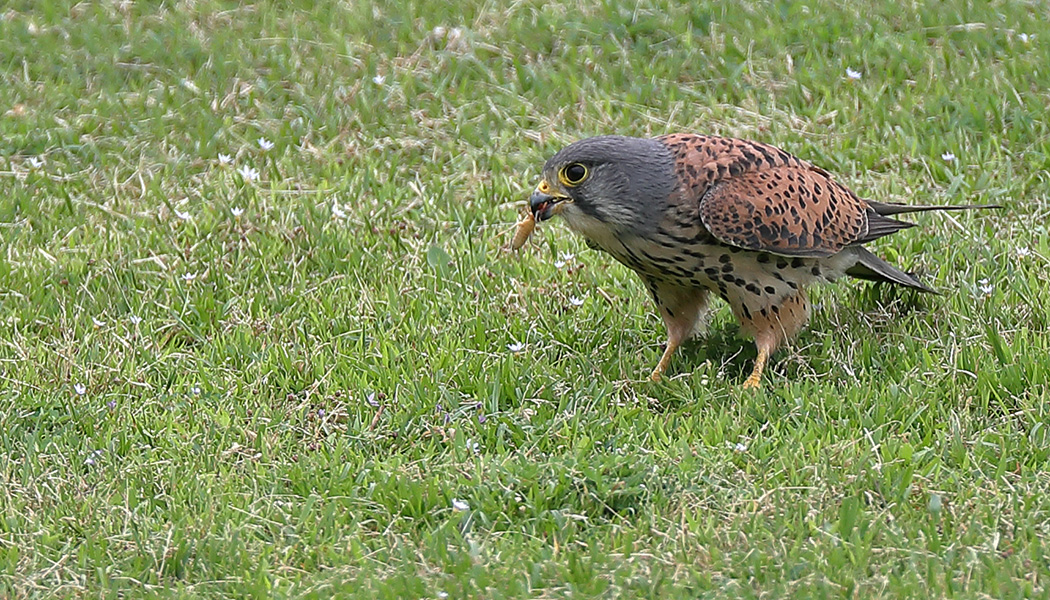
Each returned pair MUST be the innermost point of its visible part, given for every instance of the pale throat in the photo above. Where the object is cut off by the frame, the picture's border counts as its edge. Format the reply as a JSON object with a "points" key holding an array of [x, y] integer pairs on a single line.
{"points": [[601, 233]]}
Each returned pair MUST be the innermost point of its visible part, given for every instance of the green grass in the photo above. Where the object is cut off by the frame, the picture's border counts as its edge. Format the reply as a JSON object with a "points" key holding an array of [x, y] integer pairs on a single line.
{"points": [[285, 402]]}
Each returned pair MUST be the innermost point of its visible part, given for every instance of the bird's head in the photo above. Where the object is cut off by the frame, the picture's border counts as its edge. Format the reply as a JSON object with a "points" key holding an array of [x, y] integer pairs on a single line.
{"points": [[614, 181]]}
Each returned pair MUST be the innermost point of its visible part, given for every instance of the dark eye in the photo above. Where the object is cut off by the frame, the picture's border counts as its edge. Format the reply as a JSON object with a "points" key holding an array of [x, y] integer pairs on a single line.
{"points": [[574, 174]]}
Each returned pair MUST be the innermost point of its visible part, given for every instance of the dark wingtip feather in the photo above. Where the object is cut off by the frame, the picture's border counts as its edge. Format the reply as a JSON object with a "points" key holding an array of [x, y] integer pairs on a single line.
{"points": [[880, 226], [893, 208]]}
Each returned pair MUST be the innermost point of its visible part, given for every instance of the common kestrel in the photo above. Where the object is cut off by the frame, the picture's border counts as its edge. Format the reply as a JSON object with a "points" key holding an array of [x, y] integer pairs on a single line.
{"points": [[694, 214]]}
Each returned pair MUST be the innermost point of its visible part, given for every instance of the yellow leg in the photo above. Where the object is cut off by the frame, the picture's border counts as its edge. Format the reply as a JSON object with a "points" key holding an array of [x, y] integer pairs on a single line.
{"points": [[672, 345], [680, 309], [760, 364], [772, 327]]}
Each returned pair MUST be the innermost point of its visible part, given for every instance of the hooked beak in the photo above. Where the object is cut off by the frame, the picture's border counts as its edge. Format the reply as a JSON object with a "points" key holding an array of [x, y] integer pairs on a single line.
{"points": [[543, 204]]}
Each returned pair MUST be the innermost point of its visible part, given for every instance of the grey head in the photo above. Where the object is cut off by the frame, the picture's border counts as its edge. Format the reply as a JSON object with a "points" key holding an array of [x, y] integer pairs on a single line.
{"points": [[622, 183]]}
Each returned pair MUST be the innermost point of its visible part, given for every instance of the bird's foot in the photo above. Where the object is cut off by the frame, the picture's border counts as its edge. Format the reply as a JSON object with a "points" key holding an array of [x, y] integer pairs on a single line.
{"points": [[753, 382], [665, 359]]}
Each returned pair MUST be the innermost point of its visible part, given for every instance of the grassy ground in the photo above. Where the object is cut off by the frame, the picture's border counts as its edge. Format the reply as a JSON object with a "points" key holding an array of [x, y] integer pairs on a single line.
{"points": [[328, 380]]}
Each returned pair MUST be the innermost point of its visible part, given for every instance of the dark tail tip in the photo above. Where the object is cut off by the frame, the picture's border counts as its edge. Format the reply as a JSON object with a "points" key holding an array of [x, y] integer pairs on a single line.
{"points": [[873, 268]]}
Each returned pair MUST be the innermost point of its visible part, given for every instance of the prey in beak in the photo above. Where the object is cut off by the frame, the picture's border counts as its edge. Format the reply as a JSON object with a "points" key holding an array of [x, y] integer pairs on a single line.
{"points": [[544, 204]]}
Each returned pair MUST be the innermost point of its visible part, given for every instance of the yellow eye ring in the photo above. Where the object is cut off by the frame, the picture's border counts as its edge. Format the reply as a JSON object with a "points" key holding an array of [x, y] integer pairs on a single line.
{"points": [[573, 175]]}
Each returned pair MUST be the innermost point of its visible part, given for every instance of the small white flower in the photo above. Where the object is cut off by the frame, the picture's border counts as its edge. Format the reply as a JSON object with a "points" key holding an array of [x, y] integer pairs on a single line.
{"points": [[473, 446], [237, 211], [985, 287], [80, 389], [575, 301], [135, 319], [559, 264], [1024, 37], [185, 216], [189, 277], [248, 173], [740, 447], [338, 212], [97, 322], [516, 347], [379, 79], [35, 162], [948, 157], [455, 37], [90, 460], [224, 159], [853, 74], [442, 595], [460, 505], [196, 390], [1023, 252], [567, 257], [265, 144]]}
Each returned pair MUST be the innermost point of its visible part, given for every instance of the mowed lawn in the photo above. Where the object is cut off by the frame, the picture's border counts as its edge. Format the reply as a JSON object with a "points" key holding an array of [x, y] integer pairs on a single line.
{"points": [[307, 370]]}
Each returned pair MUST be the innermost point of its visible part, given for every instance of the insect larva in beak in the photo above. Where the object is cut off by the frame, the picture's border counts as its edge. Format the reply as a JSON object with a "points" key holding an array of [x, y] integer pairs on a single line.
{"points": [[525, 228]]}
